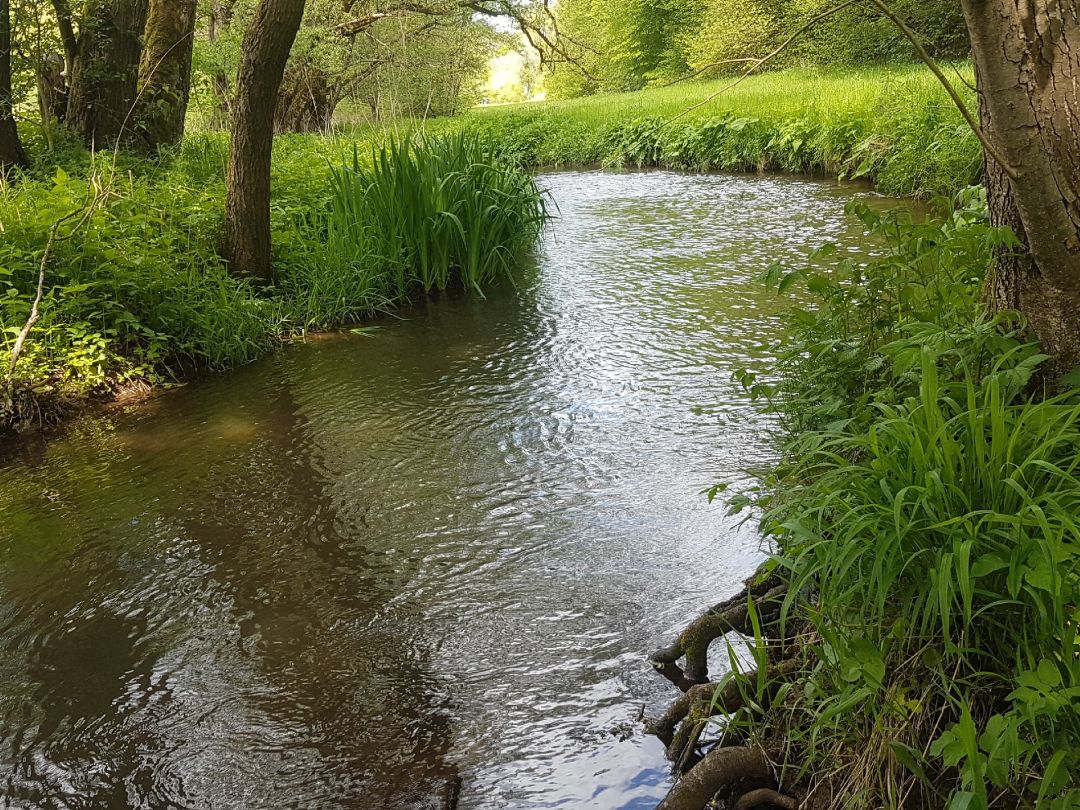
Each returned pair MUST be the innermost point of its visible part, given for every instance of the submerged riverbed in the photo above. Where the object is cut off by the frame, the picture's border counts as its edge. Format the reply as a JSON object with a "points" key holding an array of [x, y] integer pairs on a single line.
{"points": [[416, 566]]}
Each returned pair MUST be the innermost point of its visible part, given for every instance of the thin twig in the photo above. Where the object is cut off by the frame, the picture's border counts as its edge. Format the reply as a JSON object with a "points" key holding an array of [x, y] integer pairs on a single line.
{"points": [[741, 61], [757, 63], [991, 150], [85, 210], [964, 81]]}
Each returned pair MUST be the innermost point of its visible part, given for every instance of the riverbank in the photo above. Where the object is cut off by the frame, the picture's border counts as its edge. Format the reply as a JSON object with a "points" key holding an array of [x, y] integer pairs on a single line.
{"points": [[136, 294], [139, 294], [893, 126], [914, 632]]}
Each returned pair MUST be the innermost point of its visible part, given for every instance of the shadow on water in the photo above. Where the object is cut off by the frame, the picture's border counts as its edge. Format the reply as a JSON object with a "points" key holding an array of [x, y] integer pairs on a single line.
{"points": [[413, 568], [193, 654]]}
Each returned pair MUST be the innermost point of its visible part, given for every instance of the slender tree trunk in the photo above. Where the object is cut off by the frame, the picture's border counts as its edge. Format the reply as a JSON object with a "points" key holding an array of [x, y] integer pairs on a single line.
{"points": [[104, 80], [1027, 55], [221, 16], [11, 151], [247, 204], [165, 74], [52, 89], [67, 33]]}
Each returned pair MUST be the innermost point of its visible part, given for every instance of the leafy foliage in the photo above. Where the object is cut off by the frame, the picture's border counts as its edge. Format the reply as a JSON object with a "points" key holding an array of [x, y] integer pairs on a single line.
{"points": [[434, 213], [927, 499], [895, 126], [628, 46], [140, 292]]}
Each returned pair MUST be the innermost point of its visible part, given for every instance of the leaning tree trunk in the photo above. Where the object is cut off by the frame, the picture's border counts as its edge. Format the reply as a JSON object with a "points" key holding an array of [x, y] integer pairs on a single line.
{"points": [[165, 74], [247, 203], [105, 78], [11, 151], [1027, 56]]}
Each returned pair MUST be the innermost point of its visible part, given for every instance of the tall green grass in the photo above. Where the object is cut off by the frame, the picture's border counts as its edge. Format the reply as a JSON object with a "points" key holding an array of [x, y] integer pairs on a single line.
{"points": [[928, 504], [435, 213], [895, 126]]}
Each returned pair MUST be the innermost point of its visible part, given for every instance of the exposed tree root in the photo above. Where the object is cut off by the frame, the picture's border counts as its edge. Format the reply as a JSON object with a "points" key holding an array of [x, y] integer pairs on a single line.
{"points": [[673, 672], [763, 797], [703, 694], [740, 773], [694, 641], [721, 768], [693, 709]]}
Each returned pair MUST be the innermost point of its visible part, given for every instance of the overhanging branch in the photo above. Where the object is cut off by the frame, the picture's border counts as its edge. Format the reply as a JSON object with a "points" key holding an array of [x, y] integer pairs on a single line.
{"points": [[756, 64], [925, 56]]}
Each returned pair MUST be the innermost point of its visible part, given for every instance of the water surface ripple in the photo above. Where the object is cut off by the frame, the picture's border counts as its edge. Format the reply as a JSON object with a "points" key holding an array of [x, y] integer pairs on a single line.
{"points": [[410, 568]]}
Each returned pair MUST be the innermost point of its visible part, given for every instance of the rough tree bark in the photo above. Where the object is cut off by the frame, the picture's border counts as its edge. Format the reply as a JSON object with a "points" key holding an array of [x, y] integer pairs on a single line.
{"points": [[105, 77], [1027, 56], [165, 74], [247, 204], [11, 151], [306, 101]]}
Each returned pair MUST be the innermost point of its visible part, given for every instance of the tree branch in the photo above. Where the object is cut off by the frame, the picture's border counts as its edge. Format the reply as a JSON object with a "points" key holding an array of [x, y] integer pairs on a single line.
{"points": [[709, 66], [757, 63], [84, 212], [991, 150]]}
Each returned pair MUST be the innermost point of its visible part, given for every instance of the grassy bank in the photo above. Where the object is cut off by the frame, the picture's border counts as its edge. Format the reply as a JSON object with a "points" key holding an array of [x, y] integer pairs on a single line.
{"points": [[136, 291], [922, 650], [895, 126]]}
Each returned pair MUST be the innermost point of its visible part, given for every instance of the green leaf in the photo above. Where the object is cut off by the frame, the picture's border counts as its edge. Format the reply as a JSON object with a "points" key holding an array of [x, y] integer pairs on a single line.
{"points": [[961, 800], [909, 758], [988, 564], [1049, 673]]}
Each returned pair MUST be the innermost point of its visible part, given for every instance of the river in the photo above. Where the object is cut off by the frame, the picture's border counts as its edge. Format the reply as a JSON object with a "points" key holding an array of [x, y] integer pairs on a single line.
{"points": [[416, 566]]}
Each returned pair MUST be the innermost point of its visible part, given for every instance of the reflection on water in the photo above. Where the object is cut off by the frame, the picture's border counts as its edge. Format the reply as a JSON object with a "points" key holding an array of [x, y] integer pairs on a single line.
{"points": [[415, 568]]}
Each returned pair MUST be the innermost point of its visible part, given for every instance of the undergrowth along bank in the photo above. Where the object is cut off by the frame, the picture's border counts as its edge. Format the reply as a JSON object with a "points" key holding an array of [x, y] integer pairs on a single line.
{"points": [[140, 293], [893, 126], [922, 649]]}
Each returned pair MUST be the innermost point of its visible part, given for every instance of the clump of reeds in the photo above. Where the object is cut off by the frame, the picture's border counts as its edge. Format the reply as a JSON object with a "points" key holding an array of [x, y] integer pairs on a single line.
{"points": [[434, 213]]}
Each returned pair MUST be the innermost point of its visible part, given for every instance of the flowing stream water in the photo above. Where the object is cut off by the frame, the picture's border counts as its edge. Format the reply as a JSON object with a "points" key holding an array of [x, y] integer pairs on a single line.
{"points": [[416, 568]]}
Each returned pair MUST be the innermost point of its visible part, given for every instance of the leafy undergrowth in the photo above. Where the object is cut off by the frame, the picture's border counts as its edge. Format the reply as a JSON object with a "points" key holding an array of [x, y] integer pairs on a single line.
{"points": [[926, 514], [894, 126], [138, 292]]}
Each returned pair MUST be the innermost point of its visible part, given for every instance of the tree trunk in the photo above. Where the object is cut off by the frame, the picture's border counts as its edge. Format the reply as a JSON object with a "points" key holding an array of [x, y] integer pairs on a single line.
{"points": [[105, 78], [221, 16], [52, 89], [11, 151], [1027, 56], [165, 74], [305, 102], [247, 204], [67, 33]]}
